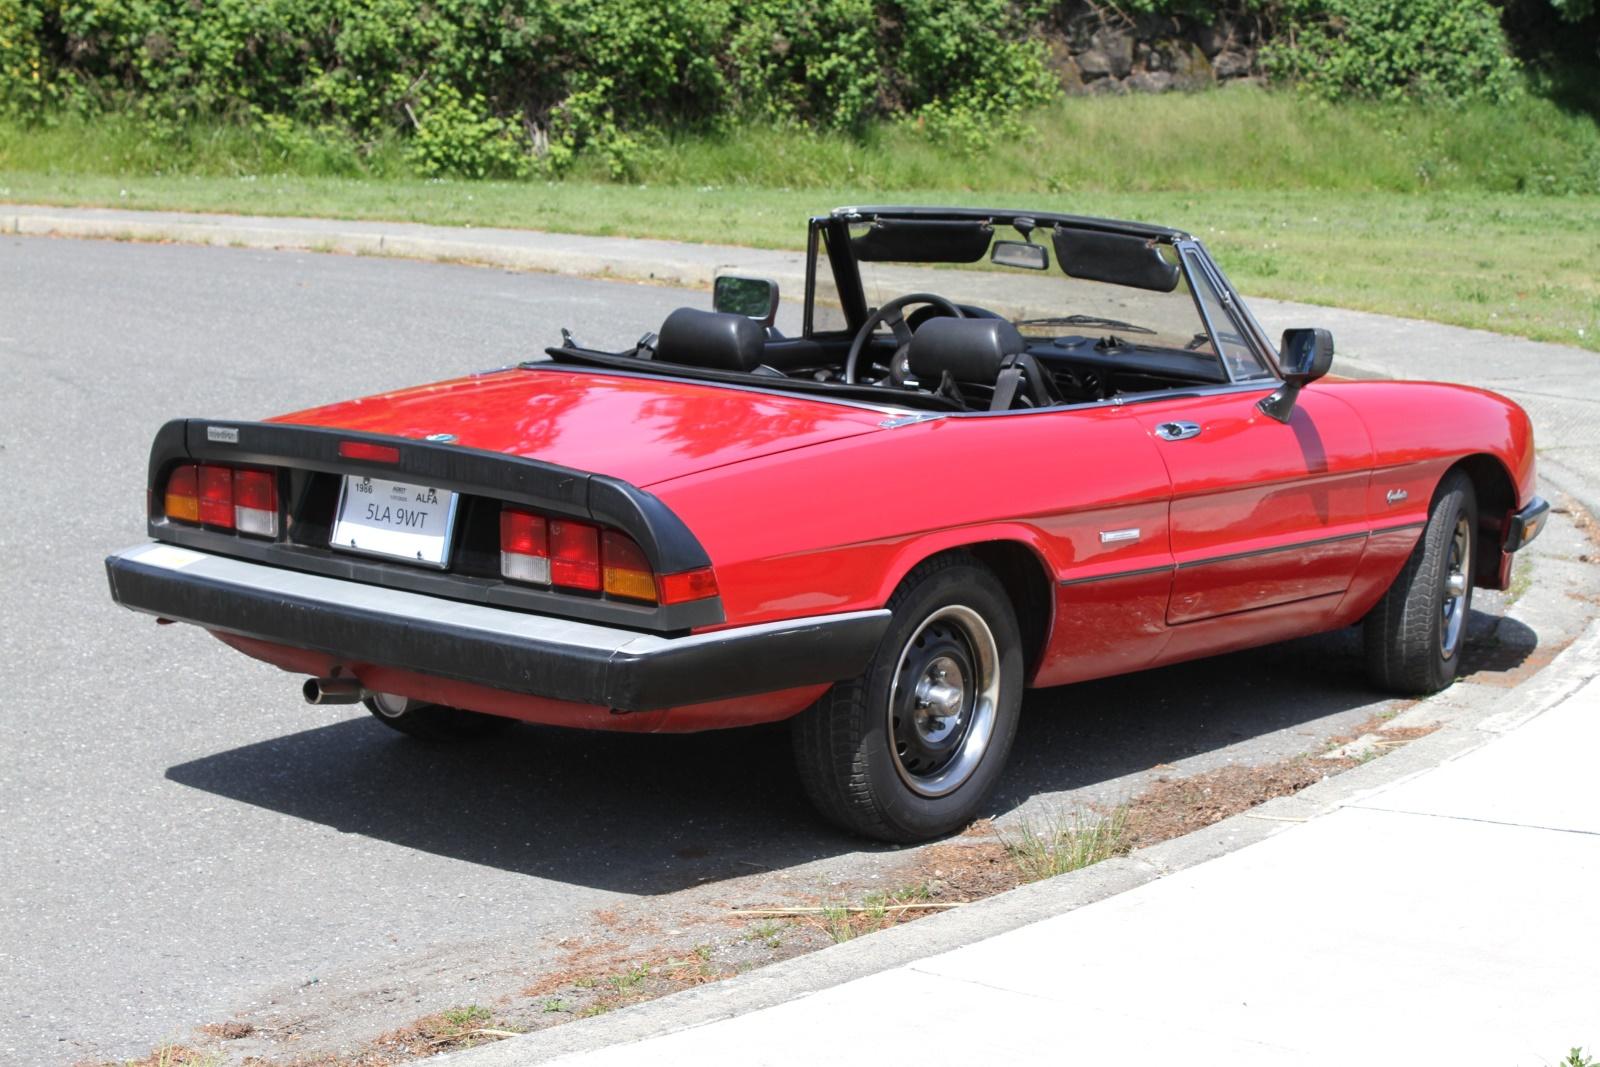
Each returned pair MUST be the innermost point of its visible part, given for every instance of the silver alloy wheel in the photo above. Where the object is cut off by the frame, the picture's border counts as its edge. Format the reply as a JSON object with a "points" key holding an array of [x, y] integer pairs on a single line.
{"points": [[1457, 584], [942, 701]]}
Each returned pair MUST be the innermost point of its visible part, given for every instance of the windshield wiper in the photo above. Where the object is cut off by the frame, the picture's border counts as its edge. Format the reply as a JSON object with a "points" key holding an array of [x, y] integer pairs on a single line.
{"points": [[1084, 320]]}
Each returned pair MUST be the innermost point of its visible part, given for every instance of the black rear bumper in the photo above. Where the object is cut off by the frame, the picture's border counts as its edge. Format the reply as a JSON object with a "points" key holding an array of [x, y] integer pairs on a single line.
{"points": [[514, 651]]}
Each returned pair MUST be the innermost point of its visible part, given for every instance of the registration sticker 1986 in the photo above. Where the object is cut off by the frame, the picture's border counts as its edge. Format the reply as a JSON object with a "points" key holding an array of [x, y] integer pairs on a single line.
{"points": [[397, 520]]}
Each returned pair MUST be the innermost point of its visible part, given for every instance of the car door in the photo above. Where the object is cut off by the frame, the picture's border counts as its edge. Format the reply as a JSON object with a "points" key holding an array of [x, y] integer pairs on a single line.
{"points": [[1263, 513]]}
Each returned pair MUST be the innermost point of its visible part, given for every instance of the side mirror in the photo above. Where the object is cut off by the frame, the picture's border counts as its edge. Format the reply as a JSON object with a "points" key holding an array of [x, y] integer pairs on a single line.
{"points": [[1305, 356], [754, 298]]}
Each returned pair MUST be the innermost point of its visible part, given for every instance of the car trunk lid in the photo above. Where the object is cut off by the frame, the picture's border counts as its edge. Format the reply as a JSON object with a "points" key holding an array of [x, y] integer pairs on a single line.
{"points": [[642, 430]]}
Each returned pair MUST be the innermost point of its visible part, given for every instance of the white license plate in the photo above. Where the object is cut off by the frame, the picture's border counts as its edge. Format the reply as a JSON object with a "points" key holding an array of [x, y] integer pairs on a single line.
{"points": [[398, 520]]}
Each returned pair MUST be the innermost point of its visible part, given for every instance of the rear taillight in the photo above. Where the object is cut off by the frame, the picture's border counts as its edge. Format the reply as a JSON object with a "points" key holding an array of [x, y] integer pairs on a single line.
{"points": [[243, 500], [580, 555], [255, 503], [524, 546], [183, 494], [216, 496], [624, 570], [687, 586], [574, 555]]}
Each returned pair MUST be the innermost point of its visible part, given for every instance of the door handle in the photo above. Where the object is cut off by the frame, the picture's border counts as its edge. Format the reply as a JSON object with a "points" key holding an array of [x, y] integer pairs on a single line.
{"points": [[1178, 431]]}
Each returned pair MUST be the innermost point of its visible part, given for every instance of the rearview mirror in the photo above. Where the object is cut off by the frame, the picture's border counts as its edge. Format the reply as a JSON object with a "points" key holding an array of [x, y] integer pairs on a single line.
{"points": [[1304, 356], [754, 298], [1020, 254]]}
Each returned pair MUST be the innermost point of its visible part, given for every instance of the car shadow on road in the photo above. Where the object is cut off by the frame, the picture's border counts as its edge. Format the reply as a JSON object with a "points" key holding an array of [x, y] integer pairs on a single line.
{"points": [[650, 815]]}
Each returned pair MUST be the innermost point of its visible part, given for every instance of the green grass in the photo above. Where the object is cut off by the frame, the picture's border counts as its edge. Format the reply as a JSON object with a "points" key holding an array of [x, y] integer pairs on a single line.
{"points": [[1429, 212], [1058, 844]]}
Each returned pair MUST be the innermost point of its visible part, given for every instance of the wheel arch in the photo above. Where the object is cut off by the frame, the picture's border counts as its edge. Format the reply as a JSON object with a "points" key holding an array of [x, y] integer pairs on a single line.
{"points": [[1023, 572], [1496, 494]]}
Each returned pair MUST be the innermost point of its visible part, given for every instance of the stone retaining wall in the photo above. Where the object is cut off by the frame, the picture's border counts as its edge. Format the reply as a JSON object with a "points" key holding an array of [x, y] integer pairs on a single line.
{"points": [[1096, 49]]}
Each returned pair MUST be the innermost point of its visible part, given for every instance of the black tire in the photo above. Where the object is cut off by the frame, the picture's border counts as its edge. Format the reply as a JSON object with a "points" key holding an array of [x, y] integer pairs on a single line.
{"points": [[431, 722], [920, 775], [1415, 635]]}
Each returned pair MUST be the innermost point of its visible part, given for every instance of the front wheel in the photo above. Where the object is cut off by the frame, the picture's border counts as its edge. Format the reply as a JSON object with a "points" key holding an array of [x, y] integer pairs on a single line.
{"points": [[911, 748], [1415, 635]]}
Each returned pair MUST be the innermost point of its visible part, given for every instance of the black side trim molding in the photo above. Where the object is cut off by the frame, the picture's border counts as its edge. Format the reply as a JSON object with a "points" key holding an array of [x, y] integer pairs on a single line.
{"points": [[558, 659], [1360, 535], [1140, 573]]}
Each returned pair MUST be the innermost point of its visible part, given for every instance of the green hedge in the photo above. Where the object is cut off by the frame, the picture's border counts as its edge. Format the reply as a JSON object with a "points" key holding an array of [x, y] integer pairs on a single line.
{"points": [[508, 86], [516, 87]]}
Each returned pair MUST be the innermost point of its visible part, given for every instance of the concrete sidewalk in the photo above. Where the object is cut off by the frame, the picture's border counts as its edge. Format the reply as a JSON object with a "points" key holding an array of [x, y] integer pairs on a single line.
{"points": [[1448, 917]]}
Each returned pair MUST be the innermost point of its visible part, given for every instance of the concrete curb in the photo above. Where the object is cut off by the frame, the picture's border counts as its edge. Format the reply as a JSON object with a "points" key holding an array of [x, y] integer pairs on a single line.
{"points": [[623, 259], [837, 964]]}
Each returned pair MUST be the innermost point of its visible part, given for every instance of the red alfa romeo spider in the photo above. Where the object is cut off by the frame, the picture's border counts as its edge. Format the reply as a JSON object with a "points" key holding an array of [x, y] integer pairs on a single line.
{"points": [[1006, 450]]}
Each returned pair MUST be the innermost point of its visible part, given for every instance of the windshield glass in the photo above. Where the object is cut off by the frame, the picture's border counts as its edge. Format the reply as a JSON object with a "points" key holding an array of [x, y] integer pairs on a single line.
{"points": [[1049, 303]]}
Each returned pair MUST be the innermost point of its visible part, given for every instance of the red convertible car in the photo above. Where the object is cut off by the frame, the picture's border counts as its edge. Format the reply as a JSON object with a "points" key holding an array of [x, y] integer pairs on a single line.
{"points": [[1006, 450]]}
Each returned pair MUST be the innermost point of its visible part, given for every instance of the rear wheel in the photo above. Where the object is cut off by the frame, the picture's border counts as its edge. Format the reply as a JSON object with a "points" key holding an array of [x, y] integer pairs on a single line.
{"points": [[430, 722], [911, 748], [1415, 635]]}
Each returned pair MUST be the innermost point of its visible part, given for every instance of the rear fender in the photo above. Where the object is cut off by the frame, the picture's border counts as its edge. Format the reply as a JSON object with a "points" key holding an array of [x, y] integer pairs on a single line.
{"points": [[915, 551], [1031, 588]]}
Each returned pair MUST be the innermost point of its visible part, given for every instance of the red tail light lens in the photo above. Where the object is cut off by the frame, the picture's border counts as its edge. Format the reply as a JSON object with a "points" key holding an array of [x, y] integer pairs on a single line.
{"points": [[255, 503], [216, 496], [690, 585], [370, 452], [574, 555], [183, 494], [524, 546], [625, 571]]}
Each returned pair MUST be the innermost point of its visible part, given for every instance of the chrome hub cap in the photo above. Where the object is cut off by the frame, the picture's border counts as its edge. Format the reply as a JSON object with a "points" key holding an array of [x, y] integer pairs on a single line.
{"points": [[943, 699], [940, 695], [1457, 587]]}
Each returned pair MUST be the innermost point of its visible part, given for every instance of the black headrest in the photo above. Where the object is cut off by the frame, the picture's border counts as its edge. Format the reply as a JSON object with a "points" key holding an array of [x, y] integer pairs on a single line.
{"points": [[711, 339], [970, 349]]}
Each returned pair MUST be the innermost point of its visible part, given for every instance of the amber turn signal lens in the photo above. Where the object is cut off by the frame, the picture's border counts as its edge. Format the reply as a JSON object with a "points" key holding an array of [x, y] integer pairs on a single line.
{"points": [[182, 502], [625, 571]]}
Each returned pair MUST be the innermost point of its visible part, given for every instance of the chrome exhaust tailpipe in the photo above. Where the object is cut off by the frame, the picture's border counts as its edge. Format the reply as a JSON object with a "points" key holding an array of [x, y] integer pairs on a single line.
{"points": [[332, 691]]}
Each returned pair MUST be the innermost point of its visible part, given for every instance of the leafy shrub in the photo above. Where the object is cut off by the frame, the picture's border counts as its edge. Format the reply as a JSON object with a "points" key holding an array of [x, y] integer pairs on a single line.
{"points": [[1394, 49], [514, 87], [505, 87], [460, 137]]}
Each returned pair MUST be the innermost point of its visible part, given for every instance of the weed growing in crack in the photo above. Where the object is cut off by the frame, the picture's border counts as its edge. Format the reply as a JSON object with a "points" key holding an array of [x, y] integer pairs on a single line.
{"points": [[1057, 844]]}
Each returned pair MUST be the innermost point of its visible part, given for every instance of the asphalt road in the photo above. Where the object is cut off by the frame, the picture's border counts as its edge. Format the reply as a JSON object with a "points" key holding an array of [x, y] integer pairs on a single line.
{"points": [[181, 838]]}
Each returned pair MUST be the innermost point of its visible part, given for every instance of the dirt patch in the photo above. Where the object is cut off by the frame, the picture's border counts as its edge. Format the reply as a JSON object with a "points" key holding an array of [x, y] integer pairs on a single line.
{"points": [[1586, 523], [968, 868], [166, 1056], [1177, 806]]}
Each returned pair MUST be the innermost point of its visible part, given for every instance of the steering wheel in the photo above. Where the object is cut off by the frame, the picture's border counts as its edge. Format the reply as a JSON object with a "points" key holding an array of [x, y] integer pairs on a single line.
{"points": [[890, 315]]}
